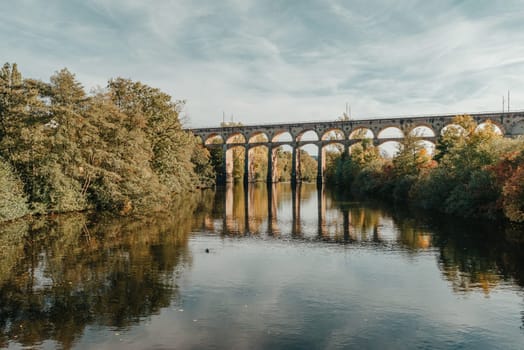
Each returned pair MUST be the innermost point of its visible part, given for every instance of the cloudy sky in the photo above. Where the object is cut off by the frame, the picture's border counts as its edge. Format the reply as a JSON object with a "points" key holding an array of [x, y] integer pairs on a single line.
{"points": [[274, 61]]}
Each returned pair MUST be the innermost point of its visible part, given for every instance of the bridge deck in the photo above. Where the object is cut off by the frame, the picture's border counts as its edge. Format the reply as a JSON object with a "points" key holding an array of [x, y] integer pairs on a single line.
{"points": [[509, 123]]}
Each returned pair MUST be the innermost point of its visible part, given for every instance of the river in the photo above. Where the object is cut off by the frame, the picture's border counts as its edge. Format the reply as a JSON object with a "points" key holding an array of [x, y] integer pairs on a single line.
{"points": [[262, 268]]}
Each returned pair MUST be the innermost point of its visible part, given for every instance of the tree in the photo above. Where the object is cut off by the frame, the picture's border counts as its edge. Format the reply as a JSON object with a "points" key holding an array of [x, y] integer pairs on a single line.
{"points": [[283, 165], [258, 161], [152, 111], [411, 157], [65, 90], [217, 160], [121, 150], [204, 172], [513, 195], [455, 135], [13, 201], [23, 119], [12, 99], [308, 167]]}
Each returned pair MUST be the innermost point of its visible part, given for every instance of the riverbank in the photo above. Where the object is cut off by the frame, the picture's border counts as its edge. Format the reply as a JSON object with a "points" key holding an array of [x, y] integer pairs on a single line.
{"points": [[474, 173]]}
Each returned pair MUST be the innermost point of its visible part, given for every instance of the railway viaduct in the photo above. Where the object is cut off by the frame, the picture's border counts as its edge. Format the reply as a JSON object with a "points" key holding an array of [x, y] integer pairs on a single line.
{"points": [[341, 132]]}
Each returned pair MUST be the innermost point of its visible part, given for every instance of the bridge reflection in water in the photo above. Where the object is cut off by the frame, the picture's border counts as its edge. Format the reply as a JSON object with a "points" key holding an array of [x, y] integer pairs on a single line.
{"points": [[301, 211]]}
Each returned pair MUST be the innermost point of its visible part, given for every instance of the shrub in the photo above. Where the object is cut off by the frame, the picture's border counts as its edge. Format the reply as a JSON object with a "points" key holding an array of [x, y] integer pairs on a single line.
{"points": [[513, 196]]}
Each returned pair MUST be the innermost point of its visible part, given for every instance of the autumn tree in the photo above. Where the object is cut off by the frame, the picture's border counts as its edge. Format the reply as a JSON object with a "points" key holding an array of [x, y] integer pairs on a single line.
{"points": [[308, 167], [122, 149], [13, 201]]}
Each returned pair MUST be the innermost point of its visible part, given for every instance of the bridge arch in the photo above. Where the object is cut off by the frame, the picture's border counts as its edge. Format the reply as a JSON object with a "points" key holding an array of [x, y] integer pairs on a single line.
{"points": [[494, 122], [452, 127], [333, 134], [236, 137], [361, 132], [489, 123], [213, 138], [309, 134], [282, 136], [422, 130], [258, 136], [390, 132]]}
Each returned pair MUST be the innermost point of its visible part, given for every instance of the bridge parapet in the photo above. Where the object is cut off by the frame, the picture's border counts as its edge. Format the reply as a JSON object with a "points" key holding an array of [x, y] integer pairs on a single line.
{"points": [[510, 124]]}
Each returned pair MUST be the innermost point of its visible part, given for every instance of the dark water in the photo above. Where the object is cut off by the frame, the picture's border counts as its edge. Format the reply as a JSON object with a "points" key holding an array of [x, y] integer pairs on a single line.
{"points": [[295, 270]]}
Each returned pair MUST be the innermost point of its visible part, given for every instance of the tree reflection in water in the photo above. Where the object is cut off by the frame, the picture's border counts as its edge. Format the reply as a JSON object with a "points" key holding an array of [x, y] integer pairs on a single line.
{"points": [[59, 275]]}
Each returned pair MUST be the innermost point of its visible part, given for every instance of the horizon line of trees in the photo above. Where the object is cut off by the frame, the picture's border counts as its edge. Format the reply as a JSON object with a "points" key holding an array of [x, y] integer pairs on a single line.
{"points": [[120, 149], [475, 172]]}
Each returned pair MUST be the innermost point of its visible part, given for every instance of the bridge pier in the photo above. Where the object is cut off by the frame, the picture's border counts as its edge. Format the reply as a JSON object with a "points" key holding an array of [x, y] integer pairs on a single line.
{"points": [[296, 193], [321, 209], [271, 164], [296, 176], [247, 173], [228, 164], [272, 206], [320, 164]]}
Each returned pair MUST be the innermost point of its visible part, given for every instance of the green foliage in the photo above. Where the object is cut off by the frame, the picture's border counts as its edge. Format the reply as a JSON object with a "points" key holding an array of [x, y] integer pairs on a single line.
{"points": [[218, 163], [258, 159], [476, 198], [411, 158], [509, 172], [360, 171], [431, 191], [284, 163], [513, 195], [478, 174], [13, 201], [121, 150], [152, 111], [204, 169], [308, 167]]}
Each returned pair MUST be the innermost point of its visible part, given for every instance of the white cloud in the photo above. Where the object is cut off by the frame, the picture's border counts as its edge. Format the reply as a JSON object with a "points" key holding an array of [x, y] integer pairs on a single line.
{"points": [[265, 62]]}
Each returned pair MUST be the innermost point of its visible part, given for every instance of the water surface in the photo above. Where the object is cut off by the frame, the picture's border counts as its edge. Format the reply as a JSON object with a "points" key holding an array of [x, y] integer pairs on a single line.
{"points": [[261, 268]]}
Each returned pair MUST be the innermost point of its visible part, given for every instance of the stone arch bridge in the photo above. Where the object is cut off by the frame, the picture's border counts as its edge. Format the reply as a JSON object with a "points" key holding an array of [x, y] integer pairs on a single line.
{"points": [[326, 133]]}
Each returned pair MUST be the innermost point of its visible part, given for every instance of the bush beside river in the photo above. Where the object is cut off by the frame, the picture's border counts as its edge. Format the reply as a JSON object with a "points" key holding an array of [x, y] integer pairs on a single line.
{"points": [[475, 172]]}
